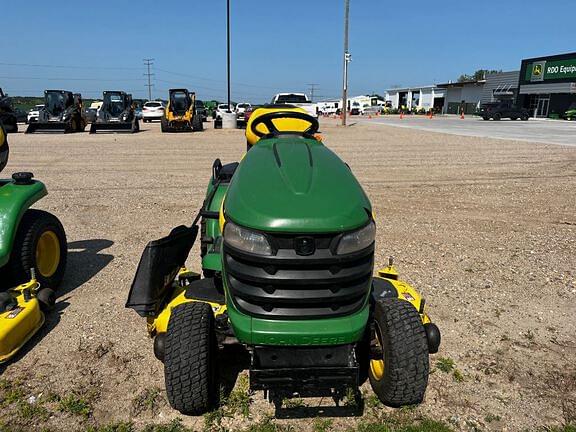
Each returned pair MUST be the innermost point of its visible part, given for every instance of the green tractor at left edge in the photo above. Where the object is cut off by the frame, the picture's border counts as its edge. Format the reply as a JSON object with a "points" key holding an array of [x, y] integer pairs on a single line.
{"points": [[33, 253], [287, 238]]}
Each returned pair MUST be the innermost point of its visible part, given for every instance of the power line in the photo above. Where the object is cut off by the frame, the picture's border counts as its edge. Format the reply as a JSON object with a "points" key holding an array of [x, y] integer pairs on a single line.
{"points": [[149, 62], [67, 67]]}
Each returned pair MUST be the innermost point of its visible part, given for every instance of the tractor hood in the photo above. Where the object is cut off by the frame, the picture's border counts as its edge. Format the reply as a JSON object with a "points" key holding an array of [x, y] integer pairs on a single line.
{"points": [[294, 184]]}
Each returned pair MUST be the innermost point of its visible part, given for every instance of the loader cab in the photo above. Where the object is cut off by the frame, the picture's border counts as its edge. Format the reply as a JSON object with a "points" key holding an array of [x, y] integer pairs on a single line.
{"points": [[180, 101], [57, 101], [116, 102]]}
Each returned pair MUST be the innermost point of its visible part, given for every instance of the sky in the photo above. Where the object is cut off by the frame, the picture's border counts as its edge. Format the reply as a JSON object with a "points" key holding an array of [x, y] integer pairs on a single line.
{"points": [[277, 45]]}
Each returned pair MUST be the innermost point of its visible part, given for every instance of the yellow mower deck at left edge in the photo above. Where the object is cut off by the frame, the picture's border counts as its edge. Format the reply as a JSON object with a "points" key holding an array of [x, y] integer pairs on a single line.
{"points": [[20, 323]]}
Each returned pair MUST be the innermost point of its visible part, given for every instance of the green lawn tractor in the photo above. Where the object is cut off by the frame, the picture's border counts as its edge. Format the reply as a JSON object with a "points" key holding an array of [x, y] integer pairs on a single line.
{"points": [[116, 113], [287, 243], [62, 111], [32, 258]]}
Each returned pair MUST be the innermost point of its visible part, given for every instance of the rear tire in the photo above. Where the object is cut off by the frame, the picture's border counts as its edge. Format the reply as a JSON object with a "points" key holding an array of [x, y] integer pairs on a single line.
{"points": [[197, 125], [190, 359], [524, 117], [163, 124], [513, 118], [497, 116], [402, 377], [27, 253], [485, 118]]}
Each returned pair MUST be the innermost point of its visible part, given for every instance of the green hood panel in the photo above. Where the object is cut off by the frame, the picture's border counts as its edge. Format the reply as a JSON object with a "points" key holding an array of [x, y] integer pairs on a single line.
{"points": [[295, 185], [14, 201]]}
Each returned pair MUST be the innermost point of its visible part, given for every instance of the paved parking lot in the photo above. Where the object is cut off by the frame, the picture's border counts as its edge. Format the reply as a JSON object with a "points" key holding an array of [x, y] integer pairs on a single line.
{"points": [[544, 131]]}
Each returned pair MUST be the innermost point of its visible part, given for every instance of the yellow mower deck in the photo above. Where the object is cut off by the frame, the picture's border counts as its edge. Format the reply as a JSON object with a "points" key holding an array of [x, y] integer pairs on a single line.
{"points": [[18, 325]]}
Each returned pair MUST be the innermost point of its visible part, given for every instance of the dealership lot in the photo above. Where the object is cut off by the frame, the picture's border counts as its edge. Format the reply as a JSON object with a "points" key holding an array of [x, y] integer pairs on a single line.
{"points": [[478, 225], [542, 131]]}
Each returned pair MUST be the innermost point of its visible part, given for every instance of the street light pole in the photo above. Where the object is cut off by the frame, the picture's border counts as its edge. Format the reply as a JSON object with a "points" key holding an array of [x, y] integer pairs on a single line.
{"points": [[346, 61], [228, 47]]}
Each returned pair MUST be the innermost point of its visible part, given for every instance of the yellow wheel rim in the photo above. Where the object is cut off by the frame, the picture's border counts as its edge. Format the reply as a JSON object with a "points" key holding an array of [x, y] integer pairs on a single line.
{"points": [[47, 253], [377, 365]]}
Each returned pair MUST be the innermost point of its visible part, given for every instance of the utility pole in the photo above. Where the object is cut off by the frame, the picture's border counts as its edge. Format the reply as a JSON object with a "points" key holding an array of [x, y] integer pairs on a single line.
{"points": [[312, 88], [228, 48], [149, 62], [347, 59]]}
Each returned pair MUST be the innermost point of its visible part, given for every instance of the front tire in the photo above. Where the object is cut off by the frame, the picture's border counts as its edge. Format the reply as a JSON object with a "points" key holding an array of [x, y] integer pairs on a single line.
{"points": [[497, 116], [190, 359], [40, 244], [399, 371]]}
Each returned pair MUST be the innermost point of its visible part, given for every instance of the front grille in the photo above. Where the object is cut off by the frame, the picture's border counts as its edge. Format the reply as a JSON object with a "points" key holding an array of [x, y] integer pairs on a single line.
{"points": [[290, 285]]}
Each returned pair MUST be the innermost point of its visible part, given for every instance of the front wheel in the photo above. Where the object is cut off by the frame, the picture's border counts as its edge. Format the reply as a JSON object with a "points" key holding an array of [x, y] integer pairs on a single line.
{"points": [[497, 116], [399, 364], [524, 117], [40, 244], [190, 359]]}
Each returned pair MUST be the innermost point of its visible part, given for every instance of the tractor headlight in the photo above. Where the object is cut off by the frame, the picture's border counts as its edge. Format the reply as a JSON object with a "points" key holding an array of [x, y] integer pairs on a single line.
{"points": [[65, 116], [357, 240], [246, 240]]}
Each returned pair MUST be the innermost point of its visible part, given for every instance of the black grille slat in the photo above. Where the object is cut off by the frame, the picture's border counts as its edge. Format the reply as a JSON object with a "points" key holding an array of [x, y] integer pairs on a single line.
{"points": [[291, 286], [287, 294], [327, 274]]}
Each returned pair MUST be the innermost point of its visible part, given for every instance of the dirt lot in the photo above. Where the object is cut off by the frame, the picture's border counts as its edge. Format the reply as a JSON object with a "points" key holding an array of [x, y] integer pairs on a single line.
{"points": [[486, 229]]}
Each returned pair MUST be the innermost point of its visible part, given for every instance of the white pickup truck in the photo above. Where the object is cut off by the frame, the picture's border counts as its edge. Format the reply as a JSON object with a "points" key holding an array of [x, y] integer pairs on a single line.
{"points": [[296, 99]]}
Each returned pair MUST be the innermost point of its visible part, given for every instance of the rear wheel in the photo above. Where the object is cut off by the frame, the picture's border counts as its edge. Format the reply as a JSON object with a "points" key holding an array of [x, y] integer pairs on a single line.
{"points": [[399, 365], [513, 118], [524, 117], [190, 359], [40, 244], [197, 123], [485, 118], [164, 124], [497, 116]]}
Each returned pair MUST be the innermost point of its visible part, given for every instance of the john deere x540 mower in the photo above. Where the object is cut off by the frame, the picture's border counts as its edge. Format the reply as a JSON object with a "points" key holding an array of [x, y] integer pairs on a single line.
{"points": [[180, 113], [287, 244], [32, 258], [116, 113], [62, 111]]}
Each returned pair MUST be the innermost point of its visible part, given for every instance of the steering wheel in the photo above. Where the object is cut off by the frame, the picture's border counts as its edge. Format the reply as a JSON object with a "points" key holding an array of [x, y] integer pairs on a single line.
{"points": [[267, 120]]}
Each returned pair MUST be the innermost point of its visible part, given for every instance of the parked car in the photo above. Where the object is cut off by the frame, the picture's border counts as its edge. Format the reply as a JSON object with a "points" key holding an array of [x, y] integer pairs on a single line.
{"points": [[222, 108], [241, 112], [33, 113], [153, 110], [21, 115], [355, 109], [201, 109], [371, 110], [570, 113], [297, 99], [500, 110]]}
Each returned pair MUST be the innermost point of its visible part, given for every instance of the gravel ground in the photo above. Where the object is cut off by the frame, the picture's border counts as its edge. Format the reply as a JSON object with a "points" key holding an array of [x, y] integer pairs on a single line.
{"points": [[486, 229]]}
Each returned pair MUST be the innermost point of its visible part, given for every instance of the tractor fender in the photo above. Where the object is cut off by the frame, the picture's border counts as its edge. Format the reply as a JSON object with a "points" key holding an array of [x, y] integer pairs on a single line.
{"points": [[15, 199]]}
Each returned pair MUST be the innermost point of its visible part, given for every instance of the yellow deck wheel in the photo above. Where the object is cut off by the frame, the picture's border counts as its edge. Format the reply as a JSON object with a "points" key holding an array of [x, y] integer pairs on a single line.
{"points": [[377, 365], [48, 253]]}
